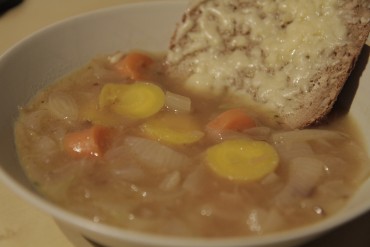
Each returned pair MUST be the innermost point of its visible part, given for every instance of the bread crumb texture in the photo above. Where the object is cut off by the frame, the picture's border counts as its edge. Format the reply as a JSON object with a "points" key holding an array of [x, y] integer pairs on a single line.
{"points": [[287, 58]]}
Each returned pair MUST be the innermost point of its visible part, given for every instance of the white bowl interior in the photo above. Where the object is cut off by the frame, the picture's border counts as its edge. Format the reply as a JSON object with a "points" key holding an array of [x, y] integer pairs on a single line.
{"points": [[61, 48]]}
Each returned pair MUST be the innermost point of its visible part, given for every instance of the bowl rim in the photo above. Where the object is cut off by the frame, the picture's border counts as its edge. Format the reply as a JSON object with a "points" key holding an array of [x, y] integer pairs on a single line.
{"points": [[150, 239]]}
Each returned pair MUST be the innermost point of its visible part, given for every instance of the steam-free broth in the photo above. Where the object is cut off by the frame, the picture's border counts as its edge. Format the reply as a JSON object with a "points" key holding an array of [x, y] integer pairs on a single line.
{"points": [[118, 143]]}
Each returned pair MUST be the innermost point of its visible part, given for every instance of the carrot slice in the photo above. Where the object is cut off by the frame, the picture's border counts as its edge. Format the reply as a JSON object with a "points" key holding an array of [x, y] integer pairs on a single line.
{"points": [[242, 160], [137, 101], [133, 65], [173, 129], [86, 143], [233, 119]]}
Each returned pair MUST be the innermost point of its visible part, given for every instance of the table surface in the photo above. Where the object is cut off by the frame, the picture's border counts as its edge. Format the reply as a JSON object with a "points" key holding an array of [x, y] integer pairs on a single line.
{"points": [[21, 224]]}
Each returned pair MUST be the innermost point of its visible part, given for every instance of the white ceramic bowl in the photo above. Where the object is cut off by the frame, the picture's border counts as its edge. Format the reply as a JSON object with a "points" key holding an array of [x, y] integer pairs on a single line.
{"points": [[58, 49]]}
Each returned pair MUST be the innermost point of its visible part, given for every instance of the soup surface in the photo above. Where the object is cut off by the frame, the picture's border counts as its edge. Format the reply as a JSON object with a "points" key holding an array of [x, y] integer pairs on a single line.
{"points": [[118, 143]]}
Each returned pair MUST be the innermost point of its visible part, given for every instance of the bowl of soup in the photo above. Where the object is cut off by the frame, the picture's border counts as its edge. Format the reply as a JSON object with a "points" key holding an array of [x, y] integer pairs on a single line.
{"points": [[94, 133]]}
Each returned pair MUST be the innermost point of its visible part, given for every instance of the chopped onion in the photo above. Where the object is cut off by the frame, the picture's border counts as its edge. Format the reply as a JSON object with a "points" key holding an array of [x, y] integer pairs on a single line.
{"points": [[273, 221], [44, 146], [122, 165], [334, 165], [115, 57], [116, 154], [193, 181], [63, 106], [229, 135], [129, 172], [171, 181], [33, 120], [177, 102], [258, 133], [291, 150], [101, 72], [306, 135], [262, 221], [362, 158], [335, 189], [270, 179], [304, 175], [305, 172], [155, 155]]}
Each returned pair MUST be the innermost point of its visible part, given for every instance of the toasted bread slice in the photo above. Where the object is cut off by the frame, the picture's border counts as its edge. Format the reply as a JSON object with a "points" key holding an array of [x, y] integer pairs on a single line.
{"points": [[286, 60]]}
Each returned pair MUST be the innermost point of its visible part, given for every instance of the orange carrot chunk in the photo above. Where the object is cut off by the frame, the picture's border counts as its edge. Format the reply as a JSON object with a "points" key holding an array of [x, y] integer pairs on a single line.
{"points": [[86, 143], [233, 119], [133, 65]]}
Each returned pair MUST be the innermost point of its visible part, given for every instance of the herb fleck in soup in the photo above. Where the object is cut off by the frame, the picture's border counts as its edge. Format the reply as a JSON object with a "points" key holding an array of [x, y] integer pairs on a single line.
{"points": [[120, 144]]}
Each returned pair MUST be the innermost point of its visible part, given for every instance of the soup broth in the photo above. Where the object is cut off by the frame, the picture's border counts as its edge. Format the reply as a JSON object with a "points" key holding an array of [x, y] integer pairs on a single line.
{"points": [[127, 147]]}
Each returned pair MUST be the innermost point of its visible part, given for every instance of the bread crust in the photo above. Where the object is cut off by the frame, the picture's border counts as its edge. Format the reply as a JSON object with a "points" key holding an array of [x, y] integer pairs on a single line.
{"points": [[327, 88], [325, 85]]}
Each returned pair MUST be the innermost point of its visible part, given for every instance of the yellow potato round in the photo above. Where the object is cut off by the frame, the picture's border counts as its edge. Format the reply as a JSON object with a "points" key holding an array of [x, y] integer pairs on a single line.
{"points": [[173, 129], [241, 159], [139, 100]]}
